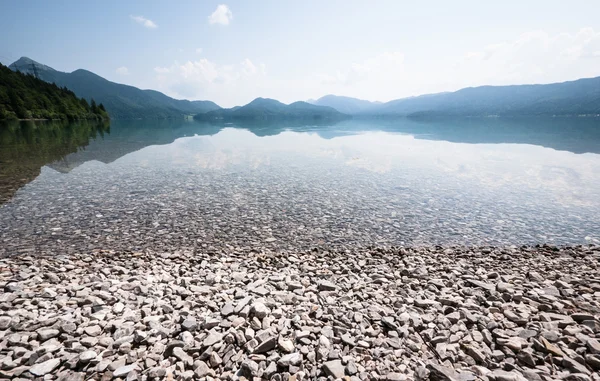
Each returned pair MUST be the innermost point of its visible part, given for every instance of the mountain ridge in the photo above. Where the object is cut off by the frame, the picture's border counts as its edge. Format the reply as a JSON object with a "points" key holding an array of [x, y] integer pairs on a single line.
{"points": [[271, 109], [121, 101], [569, 98]]}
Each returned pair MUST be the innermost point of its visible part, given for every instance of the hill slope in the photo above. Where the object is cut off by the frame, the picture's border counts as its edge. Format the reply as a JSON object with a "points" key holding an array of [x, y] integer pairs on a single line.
{"points": [[23, 96], [121, 101], [566, 99], [271, 109], [346, 105]]}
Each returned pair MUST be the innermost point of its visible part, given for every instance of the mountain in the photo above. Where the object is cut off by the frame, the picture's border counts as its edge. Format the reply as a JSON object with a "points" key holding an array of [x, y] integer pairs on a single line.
{"points": [[580, 97], [346, 105], [23, 96], [121, 101], [271, 109]]}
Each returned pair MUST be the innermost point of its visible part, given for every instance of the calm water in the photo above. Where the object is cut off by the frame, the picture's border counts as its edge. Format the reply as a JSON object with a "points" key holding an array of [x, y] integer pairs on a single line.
{"points": [[182, 185]]}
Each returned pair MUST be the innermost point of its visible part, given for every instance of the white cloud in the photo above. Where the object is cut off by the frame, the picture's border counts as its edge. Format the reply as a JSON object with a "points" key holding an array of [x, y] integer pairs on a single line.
{"points": [[222, 15], [198, 50], [385, 64], [534, 57], [162, 70], [144, 21], [123, 70], [205, 79]]}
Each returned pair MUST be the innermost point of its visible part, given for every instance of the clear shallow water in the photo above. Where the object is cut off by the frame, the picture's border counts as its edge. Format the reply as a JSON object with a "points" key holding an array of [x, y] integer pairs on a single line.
{"points": [[173, 185]]}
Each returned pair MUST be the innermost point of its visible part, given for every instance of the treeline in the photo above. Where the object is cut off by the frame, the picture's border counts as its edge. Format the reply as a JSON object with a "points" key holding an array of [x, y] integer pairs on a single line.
{"points": [[23, 96]]}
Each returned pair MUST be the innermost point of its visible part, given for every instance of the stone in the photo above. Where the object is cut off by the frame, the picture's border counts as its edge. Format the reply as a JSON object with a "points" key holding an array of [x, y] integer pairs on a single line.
{"points": [[442, 373], [44, 367], [325, 285], [212, 338], [49, 293], [189, 324], [179, 353], [93, 330], [5, 322], [267, 345], [87, 356], [285, 345], [251, 367], [260, 310], [202, 369], [227, 309], [593, 345], [395, 377], [45, 334], [334, 368], [125, 370], [290, 359]]}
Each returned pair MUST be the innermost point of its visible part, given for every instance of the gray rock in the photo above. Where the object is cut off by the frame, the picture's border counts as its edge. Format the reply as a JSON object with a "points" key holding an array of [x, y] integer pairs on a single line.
{"points": [[441, 373], [267, 345], [212, 338], [202, 369], [334, 368], [179, 353], [125, 370], [45, 334], [44, 367], [290, 359], [189, 324], [594, 346], [325, 285], [87, 356], [260, 310]]}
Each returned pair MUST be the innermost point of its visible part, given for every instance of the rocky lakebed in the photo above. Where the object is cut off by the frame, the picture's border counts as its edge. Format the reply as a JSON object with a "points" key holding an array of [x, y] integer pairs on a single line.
{"points": [[387, 313]]}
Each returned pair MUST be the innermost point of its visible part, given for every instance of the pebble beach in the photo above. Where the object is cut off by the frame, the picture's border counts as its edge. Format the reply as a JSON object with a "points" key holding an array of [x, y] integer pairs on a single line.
{"points": [[374, 313]]}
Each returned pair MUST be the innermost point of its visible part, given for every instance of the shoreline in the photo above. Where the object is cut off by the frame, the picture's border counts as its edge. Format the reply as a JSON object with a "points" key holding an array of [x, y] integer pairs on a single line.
{"points": [[440, 313]]}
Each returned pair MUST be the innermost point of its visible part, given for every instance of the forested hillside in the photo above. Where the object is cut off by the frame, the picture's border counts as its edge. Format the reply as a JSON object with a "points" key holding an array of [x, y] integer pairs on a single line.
{"points": [[23, 96]]}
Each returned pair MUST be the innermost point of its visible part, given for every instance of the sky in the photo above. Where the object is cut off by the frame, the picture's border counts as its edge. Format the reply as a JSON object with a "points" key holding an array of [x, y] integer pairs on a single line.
{"points": [[231, 52]]}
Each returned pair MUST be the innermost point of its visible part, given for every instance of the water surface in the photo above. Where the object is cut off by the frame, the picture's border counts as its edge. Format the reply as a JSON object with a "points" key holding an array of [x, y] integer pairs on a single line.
{"points": [[182, 185]]}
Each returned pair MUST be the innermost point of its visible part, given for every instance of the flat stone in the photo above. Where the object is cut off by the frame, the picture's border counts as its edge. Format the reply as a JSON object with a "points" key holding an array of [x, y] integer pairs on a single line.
{"points": [[45, 334], [87, 356], [325, 285], [334, 368], [290, 359], [266, 345], [125, 370], [212, 338], [44, 367], [442, 373], [593, 345]]}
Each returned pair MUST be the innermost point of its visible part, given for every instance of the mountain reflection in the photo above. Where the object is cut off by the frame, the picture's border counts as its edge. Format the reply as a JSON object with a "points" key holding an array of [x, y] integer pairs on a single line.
{"points": [[25, 147]]}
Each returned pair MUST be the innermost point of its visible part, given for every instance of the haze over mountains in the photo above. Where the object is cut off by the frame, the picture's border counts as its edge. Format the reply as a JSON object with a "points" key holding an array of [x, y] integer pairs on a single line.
{"points": [[573, 98]]}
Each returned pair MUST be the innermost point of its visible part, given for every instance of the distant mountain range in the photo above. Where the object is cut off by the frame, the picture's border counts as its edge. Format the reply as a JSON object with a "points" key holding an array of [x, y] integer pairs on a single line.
{"points": [[580, 97], [346, 105], [573, 98], [264, 109], [121, 101]]}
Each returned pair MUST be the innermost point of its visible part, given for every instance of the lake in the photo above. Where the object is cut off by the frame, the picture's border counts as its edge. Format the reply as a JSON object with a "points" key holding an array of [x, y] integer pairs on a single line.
{"points": [[173, 185]]}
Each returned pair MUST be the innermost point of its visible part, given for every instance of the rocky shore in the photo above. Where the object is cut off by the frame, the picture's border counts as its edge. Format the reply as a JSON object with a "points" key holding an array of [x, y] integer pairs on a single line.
{"points": [[503, 314]]}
